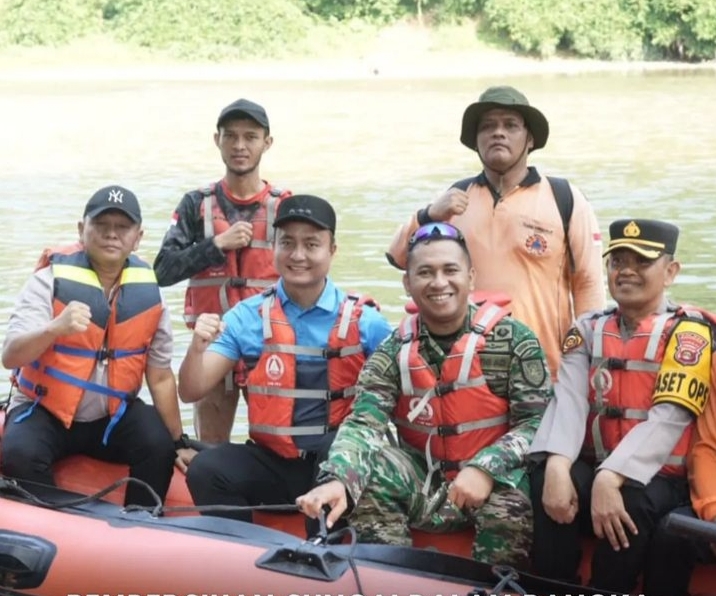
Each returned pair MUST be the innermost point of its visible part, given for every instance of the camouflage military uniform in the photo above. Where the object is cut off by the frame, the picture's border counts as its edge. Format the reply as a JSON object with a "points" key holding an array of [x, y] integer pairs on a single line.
{"points": [[385, 482]]}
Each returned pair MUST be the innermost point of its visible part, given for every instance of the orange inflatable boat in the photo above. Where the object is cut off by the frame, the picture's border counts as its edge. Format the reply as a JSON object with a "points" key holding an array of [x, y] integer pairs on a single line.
{"points": [[95, 547]]}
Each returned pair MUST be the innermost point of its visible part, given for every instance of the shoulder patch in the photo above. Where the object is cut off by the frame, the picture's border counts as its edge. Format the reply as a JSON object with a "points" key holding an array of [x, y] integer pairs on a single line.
{"points": [[572, 340], [534, 371]]}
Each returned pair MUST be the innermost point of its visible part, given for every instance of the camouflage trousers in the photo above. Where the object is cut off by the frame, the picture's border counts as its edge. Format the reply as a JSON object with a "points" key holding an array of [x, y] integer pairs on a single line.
{"points": [[392, 503]]}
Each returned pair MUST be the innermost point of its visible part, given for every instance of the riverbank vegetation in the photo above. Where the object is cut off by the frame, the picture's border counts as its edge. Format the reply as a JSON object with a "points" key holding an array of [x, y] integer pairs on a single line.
{"points": [[678, 30]]}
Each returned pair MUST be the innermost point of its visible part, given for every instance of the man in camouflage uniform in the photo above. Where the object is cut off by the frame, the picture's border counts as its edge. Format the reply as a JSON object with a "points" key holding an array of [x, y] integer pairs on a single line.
{"points": [[463, 439]]}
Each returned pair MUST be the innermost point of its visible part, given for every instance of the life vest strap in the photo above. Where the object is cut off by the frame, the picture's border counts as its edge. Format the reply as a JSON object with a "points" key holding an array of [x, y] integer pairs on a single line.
{"points": [[442, 389], [624, 364], [450, 430], [289, 431], [101, 355], [289, 393], [327, 353], [619, 412], [234, 282]]}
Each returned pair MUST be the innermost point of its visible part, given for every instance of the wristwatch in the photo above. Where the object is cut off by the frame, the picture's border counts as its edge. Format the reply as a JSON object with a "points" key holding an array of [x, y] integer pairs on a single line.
{"points": [[182, 442]]}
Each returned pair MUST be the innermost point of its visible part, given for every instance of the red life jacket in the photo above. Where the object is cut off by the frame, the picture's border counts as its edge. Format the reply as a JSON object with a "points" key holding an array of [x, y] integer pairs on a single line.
{"points": [[245, 272], [623, 381], [453, 416], [272, 391], [119, 333]]}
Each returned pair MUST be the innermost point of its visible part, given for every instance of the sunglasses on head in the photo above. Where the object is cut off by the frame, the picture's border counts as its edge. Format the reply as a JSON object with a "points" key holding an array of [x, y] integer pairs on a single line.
{"points": [[435, 231]]}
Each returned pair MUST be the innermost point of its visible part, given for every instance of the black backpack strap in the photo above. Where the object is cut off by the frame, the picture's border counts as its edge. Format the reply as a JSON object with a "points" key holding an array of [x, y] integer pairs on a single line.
{"points": [[565, 204], [464, 183]]}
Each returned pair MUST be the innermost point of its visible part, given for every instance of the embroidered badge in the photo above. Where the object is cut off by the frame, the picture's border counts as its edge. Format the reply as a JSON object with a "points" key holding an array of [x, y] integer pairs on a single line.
{"points": [[534, 372], [536, 244], [274, 367], [572, 340], [689, 346]]}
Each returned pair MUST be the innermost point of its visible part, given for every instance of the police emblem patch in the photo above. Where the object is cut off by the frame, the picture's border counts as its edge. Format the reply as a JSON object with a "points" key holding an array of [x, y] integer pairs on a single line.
{"points": [[536, 244], [572, 340], [689, 346], [534, 372]]}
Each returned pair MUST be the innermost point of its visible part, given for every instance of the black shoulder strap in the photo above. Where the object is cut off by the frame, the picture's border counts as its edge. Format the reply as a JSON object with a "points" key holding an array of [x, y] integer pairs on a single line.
{"points": [[464, 183], [565, 204]]}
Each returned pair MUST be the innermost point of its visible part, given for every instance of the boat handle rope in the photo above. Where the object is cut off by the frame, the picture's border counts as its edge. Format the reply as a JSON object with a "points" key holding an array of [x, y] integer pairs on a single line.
{"points": [[11, 485]]}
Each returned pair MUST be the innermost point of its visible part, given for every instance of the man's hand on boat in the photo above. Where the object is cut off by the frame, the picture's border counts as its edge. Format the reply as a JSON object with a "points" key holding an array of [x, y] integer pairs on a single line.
{"points": [[609, 517], [332, 493]]}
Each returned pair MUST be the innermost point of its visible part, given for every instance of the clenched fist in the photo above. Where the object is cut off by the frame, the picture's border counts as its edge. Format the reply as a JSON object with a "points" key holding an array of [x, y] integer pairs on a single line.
{"points": [[74, 318], [207, 328], [452, 202], [237, 236]]}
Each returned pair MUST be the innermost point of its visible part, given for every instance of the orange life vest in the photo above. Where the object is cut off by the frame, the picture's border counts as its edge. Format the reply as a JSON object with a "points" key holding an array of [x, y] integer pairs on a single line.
{"points": [[622, 381], [453, 416], [119, 334], [272, 391], [245, 272]]}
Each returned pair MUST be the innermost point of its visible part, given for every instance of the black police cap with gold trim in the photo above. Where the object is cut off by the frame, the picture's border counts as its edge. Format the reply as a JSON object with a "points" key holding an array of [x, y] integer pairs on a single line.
{"points": [[648, 237]]}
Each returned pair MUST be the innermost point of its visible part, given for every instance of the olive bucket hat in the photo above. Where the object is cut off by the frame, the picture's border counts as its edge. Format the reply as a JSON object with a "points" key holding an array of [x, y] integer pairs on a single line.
{"points": [[509, 98]]}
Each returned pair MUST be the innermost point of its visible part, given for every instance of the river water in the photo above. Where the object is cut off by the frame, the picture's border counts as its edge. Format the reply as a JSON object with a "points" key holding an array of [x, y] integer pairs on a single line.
{"points": [[641, 145]]}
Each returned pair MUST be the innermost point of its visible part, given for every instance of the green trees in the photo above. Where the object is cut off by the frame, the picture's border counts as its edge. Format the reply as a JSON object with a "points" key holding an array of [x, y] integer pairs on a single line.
{"points": [[607, 29], [612, 29]]}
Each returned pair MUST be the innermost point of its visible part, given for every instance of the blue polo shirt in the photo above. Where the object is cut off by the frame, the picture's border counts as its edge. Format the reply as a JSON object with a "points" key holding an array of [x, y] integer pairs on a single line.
{"points": [[243, 338]]}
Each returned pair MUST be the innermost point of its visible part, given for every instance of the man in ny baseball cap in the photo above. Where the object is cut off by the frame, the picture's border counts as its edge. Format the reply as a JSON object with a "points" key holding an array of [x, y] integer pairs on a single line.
{"points": [[115, 198]]}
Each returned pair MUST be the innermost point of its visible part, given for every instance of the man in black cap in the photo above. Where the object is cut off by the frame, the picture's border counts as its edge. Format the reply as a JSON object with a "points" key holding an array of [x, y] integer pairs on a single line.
{"points": [[611, 448], [304, 342], [221, 240], [533, 238], [87, 328]]}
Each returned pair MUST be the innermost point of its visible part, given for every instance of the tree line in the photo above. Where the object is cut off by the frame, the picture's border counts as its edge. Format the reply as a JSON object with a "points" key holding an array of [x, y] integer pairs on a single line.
{"points": [[681, 30]]}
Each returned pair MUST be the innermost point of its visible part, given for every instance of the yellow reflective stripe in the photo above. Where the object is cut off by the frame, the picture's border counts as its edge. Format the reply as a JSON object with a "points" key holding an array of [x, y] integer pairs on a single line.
{"points": [[74, 273], [138, 275]]}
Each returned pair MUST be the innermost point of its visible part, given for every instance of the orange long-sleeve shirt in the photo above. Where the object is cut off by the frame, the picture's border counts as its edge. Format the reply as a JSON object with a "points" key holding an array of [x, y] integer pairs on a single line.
{"points": [[517, 247], [702, 457]]}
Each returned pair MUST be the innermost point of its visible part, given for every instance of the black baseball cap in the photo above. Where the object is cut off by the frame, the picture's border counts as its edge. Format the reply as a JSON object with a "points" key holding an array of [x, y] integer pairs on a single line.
{"points": [[308, 208], [243, 108], [114, 197]]}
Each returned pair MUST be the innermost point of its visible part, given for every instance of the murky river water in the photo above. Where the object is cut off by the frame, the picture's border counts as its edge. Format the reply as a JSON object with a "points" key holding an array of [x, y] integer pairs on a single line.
{"points": [[636, 144]]}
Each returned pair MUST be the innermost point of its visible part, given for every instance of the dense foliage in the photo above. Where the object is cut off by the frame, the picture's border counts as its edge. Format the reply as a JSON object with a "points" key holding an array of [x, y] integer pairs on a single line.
{"points": [[612, 29]]}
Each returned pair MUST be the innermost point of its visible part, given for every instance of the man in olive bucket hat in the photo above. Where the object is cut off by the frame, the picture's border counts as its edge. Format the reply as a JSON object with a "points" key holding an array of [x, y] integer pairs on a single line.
{"points": [[524, 231]]}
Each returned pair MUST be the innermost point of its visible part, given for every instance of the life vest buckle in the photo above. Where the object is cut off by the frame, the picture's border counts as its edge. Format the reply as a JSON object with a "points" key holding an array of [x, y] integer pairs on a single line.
{"points": [[40, 390], [237, 282], [104, 354], [331, 353], [449, 466], [612, 412], [336, 394], [447, 430], [443, 388], [616, 364]]}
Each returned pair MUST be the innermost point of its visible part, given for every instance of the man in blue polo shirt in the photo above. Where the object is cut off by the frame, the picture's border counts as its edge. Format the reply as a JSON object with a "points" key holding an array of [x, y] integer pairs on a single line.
{"points": [[305, 342]]}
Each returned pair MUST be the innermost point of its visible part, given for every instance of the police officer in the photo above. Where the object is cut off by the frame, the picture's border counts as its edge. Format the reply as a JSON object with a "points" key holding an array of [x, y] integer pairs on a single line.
{"points": [[466, 386], [613, 442]]}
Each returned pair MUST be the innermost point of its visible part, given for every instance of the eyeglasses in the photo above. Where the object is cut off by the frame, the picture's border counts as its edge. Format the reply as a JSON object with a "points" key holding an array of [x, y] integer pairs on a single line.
{"points": [[435, 231]]}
